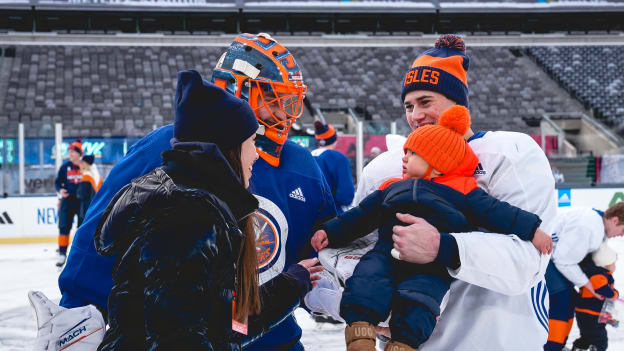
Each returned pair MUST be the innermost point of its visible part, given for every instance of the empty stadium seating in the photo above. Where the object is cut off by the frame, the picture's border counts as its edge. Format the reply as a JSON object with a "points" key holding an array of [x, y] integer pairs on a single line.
{"points": [[593, 74], [127, 91]]}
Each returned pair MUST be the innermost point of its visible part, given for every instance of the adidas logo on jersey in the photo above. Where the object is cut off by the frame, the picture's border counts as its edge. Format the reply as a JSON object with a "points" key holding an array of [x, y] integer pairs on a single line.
{"points": [[297, 194], [479, 170]]}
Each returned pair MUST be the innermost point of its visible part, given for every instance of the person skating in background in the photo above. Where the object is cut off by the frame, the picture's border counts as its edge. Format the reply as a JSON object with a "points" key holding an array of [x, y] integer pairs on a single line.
{"points": [[599, 267], [335, 166], [437, 185], [90, 183], [578, 231], [67, 181], [263, 72]]}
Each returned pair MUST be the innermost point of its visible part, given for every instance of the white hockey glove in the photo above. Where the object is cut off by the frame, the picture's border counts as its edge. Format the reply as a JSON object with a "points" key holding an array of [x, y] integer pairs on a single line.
{"points": [[60, 328], [324, 299]]}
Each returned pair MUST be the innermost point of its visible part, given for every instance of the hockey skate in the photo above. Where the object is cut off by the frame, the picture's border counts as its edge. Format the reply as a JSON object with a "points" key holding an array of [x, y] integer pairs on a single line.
{"points": [[59, 328], [398, 346], [60, 261], [318, 318], [360, 336]]}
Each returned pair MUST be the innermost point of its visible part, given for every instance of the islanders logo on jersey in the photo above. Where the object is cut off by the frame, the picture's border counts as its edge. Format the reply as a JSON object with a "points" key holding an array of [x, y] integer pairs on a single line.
{"points": [[271, 235]]}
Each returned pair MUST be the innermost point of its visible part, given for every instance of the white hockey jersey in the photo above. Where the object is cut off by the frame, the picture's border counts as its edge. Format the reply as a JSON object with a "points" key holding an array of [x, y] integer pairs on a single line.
{"points": [[578, 231], [499, 300]]}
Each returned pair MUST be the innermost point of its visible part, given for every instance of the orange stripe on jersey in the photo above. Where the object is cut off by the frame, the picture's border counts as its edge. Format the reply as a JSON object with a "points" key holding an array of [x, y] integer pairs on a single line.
{"points": [[598, 281], [445, 63], [585, 310], [88, 178]]}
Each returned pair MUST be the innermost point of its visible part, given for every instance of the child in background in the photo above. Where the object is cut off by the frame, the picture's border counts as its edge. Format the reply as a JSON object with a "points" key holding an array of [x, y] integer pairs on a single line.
{"points": [[599, 267], [438, 186], [90, 183]]}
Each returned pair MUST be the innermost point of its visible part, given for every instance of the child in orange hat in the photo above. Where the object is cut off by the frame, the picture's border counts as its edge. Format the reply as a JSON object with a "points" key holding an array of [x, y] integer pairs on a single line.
{"points": [[438, 186]]}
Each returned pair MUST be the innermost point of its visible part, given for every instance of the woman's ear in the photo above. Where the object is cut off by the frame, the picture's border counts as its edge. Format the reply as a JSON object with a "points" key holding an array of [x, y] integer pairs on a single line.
{"points": [[435, 173]]}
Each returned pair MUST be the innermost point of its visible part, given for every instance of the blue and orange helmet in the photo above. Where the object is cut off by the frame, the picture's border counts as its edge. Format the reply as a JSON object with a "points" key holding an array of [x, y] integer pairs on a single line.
{"points": [[263, 72]]}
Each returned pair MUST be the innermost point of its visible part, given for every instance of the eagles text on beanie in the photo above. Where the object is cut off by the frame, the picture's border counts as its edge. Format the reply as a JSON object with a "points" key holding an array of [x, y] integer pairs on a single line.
{"points": [[442, 69]]}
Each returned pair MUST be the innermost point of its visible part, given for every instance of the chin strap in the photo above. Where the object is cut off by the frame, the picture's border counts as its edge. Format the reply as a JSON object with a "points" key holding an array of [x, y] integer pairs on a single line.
{"points": [[269, 150]]}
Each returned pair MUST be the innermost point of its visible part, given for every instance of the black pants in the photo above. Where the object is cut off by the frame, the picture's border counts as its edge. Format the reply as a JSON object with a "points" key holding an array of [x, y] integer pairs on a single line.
{"points": [[592, 332], [70, 207]]}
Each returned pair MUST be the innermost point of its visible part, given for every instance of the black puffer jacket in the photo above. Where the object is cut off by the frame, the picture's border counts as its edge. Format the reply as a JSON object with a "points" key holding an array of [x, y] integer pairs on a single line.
{"points": [[175, 230]]}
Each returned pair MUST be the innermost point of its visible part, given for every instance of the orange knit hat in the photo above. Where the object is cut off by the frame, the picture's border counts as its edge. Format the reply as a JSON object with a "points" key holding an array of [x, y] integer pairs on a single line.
{"points": [[76, 146], [442, 145]]}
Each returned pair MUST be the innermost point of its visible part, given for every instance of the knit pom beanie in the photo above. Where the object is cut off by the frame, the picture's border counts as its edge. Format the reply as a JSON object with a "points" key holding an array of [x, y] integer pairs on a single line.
{"points": [[442, 145], [76, 145], [325, 134], [442, 69]]}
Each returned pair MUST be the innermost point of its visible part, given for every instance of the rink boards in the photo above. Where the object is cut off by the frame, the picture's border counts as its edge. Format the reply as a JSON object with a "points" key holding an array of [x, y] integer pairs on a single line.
{"points": [[35, 219]]}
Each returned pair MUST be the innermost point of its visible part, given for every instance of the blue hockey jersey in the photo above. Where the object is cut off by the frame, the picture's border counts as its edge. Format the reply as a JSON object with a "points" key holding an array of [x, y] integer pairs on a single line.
{"points": [[293, 198], [336, 168], [68, 178]]}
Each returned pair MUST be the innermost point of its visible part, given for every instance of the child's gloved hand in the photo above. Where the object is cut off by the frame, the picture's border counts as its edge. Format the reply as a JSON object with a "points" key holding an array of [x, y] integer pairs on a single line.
{"points": [[319, 240], [542, 242]]}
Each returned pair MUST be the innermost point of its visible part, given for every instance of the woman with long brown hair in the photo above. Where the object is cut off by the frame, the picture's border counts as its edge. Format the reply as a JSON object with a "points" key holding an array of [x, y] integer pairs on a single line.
{"points": [[186, 270]]}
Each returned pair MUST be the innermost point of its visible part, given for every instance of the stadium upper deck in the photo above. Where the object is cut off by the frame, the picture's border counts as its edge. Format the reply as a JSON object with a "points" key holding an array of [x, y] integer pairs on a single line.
{"points": [[300, 17]]}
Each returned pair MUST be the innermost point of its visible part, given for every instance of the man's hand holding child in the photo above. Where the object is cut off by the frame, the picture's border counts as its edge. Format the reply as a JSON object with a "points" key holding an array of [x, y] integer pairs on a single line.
{"points": [[542, 242]]}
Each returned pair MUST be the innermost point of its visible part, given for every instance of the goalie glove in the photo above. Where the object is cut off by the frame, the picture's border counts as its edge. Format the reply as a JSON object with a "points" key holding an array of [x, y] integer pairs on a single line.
{"points": [[60, 328], [342, 261], [324, 299]]}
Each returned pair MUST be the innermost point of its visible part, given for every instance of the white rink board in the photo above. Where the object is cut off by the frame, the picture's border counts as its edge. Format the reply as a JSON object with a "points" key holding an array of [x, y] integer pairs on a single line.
{"points": [[38, 216], [31, 217], [599, 198]]}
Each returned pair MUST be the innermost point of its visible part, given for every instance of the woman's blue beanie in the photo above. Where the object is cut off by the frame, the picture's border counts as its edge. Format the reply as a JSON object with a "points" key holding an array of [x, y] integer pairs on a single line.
{"points": [[205, 112]]}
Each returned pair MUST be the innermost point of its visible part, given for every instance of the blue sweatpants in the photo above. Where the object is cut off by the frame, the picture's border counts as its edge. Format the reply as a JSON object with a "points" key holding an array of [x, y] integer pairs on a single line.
{"points": [[413, 292], [561, 312]]}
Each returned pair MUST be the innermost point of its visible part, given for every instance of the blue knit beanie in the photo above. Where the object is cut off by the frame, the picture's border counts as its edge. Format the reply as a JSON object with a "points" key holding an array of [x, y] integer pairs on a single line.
{"points": [[204, 112], [325, 134]]}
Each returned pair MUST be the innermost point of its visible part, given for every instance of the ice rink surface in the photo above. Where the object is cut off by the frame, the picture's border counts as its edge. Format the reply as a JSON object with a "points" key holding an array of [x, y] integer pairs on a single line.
{"points": [[31, 267]]}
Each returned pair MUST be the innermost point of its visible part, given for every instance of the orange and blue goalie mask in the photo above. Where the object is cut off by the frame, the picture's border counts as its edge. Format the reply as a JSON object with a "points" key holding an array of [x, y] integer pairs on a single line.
{"points": [[261, 71]]}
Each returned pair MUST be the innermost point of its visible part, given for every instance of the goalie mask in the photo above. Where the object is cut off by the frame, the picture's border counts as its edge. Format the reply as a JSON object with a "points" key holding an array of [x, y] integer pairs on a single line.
{"points": [[263, 72]]}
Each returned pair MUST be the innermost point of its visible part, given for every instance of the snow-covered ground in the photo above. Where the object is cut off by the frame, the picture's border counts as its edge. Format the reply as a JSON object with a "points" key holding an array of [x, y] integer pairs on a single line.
{"points": [[31, 267]]}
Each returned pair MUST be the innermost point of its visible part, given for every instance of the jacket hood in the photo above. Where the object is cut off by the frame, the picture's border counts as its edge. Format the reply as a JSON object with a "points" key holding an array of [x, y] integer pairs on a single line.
{"points": [[203, 166], [198, 168]]}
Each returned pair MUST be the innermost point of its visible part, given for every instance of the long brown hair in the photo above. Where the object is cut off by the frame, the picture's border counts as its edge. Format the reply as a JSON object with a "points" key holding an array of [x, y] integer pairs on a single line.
{"points": [[248, 287]]}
